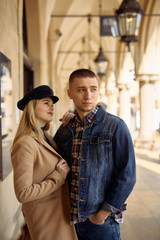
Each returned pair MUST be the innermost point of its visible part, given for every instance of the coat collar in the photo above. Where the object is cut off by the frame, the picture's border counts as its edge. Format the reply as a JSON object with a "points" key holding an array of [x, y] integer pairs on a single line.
{"points": [[46, 145]]}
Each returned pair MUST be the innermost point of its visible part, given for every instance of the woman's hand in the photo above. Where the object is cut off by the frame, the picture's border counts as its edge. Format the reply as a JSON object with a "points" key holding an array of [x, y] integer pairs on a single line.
{"points": [[62, 168], [66, 118]]}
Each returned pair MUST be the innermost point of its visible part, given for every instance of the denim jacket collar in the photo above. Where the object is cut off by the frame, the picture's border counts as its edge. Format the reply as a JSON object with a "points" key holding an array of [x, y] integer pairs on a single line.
{"points": [[99, 118]]}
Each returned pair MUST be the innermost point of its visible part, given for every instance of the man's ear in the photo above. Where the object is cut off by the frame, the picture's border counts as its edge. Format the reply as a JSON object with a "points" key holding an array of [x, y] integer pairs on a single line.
{"points": [[69, 93]]}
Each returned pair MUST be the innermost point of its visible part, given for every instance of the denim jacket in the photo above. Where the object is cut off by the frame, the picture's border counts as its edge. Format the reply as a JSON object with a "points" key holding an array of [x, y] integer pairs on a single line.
{"points": [[107, 167]]}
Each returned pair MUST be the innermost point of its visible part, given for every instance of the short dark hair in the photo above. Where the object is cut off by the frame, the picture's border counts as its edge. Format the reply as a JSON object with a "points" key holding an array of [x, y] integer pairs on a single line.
{"points": [[79, 73]]}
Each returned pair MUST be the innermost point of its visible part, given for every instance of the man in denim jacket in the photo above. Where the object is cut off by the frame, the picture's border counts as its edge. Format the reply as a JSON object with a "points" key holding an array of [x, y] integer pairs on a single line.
{"points": [[99, 150]]}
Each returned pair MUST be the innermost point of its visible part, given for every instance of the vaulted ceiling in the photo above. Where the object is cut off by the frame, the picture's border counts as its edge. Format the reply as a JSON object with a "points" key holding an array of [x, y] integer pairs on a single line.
{"points": [[72, 30]]}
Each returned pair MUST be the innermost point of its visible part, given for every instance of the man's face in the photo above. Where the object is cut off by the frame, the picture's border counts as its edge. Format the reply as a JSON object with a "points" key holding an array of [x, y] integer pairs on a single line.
{"points": [[84, 93]]}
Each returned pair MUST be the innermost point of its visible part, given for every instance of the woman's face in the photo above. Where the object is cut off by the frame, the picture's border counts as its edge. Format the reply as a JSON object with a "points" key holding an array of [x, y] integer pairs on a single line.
{"points": [[44, 111]]}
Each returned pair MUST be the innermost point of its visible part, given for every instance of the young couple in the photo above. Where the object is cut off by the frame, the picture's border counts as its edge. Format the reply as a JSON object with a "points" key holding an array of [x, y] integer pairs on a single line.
{"points": [[93, 154]]}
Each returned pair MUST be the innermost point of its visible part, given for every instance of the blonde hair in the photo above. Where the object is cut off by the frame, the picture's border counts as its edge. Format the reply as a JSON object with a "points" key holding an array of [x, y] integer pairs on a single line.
{"points": [[28, 123]]}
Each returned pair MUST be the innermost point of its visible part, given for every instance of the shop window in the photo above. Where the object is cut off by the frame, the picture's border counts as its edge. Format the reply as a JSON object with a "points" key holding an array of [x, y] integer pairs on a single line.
{"points": [[6, 116]]}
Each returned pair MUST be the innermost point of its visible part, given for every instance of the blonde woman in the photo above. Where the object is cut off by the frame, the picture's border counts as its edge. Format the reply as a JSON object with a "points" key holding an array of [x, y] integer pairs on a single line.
{"points": [[39, 171]]}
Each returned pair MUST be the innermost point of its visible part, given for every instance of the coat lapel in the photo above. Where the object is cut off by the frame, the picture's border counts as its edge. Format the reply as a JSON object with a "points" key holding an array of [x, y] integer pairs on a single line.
{"points": [[46, 145]]}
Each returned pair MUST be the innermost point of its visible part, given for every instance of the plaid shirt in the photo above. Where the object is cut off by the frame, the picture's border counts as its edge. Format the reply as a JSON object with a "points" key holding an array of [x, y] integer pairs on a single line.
{"points": [[76, 157]]}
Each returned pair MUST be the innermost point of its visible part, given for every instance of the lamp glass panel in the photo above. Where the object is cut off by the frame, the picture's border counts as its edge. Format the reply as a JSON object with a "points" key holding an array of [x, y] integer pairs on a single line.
{"points": [[129, 23], [101, 68]]}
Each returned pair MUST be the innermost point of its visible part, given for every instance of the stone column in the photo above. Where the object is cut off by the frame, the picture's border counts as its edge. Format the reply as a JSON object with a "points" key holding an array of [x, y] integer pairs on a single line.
{"points": [[147, 104], [112, 102], [124, 103]]}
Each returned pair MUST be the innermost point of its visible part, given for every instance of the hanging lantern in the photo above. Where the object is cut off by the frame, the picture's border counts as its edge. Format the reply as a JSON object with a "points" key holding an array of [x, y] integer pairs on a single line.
{"points": [[129, 18], [101, 63]]}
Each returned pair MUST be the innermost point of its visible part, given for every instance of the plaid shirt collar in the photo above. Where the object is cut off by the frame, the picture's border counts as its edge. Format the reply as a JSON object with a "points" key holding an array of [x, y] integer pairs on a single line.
{"points": [[88, 118]]}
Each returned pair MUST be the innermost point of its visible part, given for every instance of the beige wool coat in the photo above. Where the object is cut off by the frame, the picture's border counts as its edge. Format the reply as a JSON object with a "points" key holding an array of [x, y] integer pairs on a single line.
{"points": [[42, 190]]}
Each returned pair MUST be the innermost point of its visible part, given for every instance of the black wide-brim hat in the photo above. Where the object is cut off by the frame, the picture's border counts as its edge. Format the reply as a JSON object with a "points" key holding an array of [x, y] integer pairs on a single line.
{"points": [[40, 92]]}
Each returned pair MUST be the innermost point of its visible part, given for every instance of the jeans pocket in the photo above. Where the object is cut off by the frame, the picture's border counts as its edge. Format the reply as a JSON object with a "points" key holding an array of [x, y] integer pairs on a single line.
{"points": [[94, 224], [108, 230]]}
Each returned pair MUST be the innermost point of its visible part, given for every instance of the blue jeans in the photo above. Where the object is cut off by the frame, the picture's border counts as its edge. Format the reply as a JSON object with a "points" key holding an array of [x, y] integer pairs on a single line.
{"points": [[109, 230]]}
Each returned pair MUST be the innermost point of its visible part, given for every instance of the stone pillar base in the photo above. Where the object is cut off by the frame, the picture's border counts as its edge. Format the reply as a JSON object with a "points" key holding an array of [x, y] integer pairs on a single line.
{"points": [[143, 143], [152, 143], [156, 141]]}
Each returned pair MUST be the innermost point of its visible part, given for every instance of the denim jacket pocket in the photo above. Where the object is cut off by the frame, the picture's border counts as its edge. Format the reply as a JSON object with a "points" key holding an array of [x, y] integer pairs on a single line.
{"points": [[100, 146], [100, 139]]}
